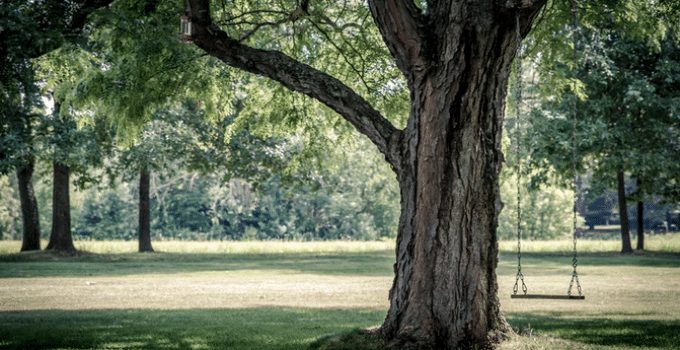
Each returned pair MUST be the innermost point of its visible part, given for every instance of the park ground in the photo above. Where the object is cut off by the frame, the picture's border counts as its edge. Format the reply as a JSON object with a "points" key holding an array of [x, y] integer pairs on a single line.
{"points": [[292, 295]]}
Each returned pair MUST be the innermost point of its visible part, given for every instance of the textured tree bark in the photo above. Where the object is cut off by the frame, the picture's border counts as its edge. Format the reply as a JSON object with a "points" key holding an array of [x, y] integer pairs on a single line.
{"points": [[626, 246], [456, 57], [444, 295], [29, 208], [60, 237], [144, 212]]}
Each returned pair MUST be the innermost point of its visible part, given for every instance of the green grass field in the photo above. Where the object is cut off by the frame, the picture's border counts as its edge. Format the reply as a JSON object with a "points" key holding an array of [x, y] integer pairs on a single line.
{"points": [[274, 295]]}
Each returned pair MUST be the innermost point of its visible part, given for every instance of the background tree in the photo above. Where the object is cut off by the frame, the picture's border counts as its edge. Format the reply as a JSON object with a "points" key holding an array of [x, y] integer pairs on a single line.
{"points": [[69, 147], [654, 94], [132, 82], [29, 30], [17, 144], [19, 97], [626, 120], [177, 138], [598, 82]]}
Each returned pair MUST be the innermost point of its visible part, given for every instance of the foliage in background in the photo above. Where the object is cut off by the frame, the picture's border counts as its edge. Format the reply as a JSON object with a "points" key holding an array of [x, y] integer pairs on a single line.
{"points": [[352, 199], [353, 195], [546, 211], [10, 215], [627, 119]]}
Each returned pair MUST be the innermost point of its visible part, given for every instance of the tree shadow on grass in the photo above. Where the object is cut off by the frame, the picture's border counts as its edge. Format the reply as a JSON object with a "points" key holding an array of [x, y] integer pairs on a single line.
{"points": [[282, 328], [647, 259], [379, 263], [256, 328], [47, 265], [611, 331]]}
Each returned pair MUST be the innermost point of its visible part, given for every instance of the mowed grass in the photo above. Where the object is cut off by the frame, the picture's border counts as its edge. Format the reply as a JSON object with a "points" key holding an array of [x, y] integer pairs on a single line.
{"points": [[289, 295]]}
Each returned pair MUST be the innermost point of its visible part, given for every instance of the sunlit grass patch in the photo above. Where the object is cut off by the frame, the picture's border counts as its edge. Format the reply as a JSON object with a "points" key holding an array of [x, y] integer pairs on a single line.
{"points": [[662, 243], [564, 330], [222, 247], [530, 341]]}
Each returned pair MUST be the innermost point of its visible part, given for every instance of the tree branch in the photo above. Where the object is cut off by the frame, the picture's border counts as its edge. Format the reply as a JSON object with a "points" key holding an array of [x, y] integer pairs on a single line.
{"points": [[84, 9], [45, 12], [520, 4], [294, 75], [402, 27]]}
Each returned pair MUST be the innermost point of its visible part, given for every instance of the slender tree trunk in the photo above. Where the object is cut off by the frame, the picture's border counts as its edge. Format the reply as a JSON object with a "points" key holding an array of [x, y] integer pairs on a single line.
{"points": [[626, 246], [640, 225], [640, 218], [29, 208], [144, 212], [60, 237]]}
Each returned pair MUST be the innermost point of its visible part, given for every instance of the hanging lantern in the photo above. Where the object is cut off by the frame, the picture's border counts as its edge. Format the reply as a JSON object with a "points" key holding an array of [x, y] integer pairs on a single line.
{"points": [[185, 28]]}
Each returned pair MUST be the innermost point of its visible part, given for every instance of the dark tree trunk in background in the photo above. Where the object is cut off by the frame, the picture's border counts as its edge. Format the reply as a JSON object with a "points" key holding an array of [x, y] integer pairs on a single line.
{"points": [[29, 208], [640, 225], [626, 247], [60, 237], [144, 212], [456, 60], [75, 13], [640, 217]]}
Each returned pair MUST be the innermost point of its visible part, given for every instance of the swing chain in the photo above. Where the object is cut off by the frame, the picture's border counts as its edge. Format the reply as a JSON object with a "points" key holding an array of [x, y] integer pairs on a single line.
{"points": [[574, 273], [518, 166], [574, 259], [575, 183], [520, 277]]}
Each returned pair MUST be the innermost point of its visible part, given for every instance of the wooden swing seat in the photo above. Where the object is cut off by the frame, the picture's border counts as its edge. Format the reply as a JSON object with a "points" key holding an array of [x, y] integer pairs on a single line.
{"points": [[548, 296]]}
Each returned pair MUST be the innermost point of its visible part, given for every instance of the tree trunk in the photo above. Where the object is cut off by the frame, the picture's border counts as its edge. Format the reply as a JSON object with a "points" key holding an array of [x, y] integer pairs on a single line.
{"points": [[29, 208], [626, 247], [456, 60], [640, 217], [444, 294], [60, 237], [640, 225], [144, 212]]}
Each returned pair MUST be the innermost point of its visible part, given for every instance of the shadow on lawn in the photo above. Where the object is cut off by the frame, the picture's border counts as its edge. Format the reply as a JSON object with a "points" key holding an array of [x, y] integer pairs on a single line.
{"points": [[611, 332], [646, 259], [257, 328], [280, 328], [45, 264]]}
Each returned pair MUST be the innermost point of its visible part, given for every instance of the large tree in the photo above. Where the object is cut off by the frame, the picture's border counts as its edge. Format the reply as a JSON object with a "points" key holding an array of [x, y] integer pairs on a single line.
{"points": [[456, 59]]}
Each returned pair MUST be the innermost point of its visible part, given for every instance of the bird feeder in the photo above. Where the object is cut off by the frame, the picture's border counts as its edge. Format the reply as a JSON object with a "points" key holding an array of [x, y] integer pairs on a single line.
{"points": [[185, 29]]}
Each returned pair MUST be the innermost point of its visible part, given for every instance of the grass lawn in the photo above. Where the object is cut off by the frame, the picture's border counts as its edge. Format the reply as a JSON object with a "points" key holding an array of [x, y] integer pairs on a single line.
{"points": [[273, 295]]}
